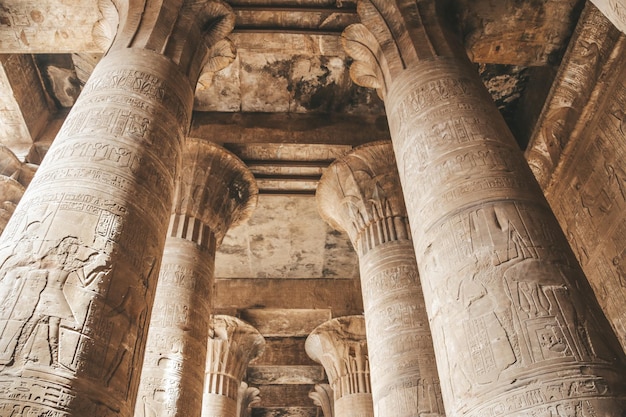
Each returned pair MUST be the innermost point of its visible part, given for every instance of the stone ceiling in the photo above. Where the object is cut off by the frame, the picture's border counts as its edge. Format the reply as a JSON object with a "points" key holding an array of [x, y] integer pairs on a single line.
{"points": [[288, 108]]}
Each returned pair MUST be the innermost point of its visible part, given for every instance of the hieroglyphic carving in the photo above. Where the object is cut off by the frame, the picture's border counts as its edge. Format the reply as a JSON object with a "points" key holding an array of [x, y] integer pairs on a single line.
{"points": [[339, 345], [594, 178], [507, 302], [232, 344], [615, 11], [361, 193], [173, 371], [591, 52], [71, 325]]}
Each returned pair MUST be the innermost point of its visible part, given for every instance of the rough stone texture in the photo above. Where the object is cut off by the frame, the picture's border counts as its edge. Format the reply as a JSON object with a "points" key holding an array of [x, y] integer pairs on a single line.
{"points": [[232, 344], [507, 301], [24, 107], [15, 176], [614, 10], [215, 190], [492, 33], [323, 397], [84, 247], [340, 346], [586, 180], [272, 244], [361, 194], [593, 54]]}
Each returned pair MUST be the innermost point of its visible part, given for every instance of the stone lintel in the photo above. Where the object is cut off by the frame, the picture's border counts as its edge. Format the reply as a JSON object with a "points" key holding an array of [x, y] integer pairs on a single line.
{"points": [[277, 322], [285, 374], [341, 296], [332, 129]]}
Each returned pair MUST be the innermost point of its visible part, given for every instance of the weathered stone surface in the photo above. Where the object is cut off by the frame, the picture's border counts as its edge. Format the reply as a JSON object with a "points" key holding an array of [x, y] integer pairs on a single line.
{"points": [[587, 186], [283, 396], [594, 53], [493, 34], [272, 243], [83, 248], [290, 375], [341, 296], [232, 344], [280, 351], [615, 10], [340, 346], [24, 107], [361, 193], [214, 191], [285, 412], [276, 322], [505, 296]]}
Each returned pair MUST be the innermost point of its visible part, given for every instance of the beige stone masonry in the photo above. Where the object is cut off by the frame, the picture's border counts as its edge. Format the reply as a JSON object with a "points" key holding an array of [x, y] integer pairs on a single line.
{"points": [[515, 327], [340, 346], [232, 345], [214, 192], [80, 256], [361, 193]]}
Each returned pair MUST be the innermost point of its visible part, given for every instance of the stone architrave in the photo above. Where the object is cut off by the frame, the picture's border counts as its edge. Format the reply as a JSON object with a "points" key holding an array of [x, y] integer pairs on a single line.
{"points": [[323, 397], [232, 345], [516, 329], [214, 192], [360, 193], [80, 256], [340, 346]]}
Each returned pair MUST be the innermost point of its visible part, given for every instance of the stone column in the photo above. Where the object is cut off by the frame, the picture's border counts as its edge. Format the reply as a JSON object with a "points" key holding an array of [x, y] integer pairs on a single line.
{"points": [[215, 191], [79, 257], [323, 397], [339, 345], [361, 194], [516, 329], [232, 345], [246, 398]]}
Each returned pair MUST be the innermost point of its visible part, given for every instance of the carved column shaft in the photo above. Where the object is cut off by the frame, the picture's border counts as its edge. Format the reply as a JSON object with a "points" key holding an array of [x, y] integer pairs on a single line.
{"points": [[215, 191], [232, 345], [510, 310], [79, 256], [340, 346], [361, 193], [88, 247]]}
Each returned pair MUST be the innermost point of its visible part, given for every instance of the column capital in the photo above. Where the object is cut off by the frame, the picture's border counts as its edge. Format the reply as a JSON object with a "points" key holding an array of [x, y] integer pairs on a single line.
{"points": [[394, 35], [215, 190], [340, 346], [185, 31], [360, 193], [322, 396], [247, 397]]}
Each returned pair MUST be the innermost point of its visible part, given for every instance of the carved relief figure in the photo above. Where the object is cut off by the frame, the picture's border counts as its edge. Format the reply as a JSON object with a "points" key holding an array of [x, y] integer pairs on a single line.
{"points": [[39, 299]]}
